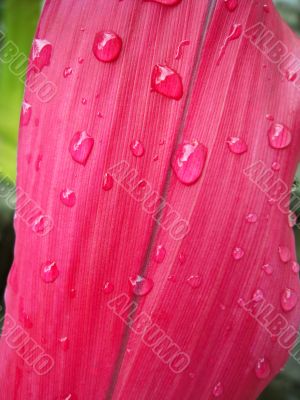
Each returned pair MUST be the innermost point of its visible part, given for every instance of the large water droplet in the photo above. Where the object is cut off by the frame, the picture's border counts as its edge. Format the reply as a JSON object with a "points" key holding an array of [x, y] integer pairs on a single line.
{"points": [[284, 253], [238, 253], [107, 46], [280, 136], [237, 145], [49, 272], [68, 197], [189, 161], [194, 281], [159, 254], [262, 368], [137, 148], [140, 286], [288, 299], [41, 53], [107, 182], [26, 113], [231, 4], [81, 146], [218, 390], [167, 82]]}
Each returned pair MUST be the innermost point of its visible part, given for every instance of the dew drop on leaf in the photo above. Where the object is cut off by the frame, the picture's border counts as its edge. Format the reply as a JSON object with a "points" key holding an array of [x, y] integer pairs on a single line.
{"points": [[67, 72], [107, 46], [284, 253], [288, 300], [268, 269], [295, 267], [167, 82], [262, 368], [68, 197], [251, 218], [26, 113], [280, 136], [81, 146], [194, 281], [137, 148], [189, 161], [159, 254], [238, 253], [237, 145], [41, 53], [231, 4], [108, 288], [218, 390], [140, 286], [107, 182], [49, 272]]}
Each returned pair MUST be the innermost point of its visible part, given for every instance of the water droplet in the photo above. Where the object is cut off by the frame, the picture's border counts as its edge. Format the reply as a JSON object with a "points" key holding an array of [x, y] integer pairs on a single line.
{"points": [[292, 219], [137, 148], [279, 136], [275, 166], [179, 51], [258, 295], [284, 253], [26, 113], [194, 281], [295, 267], [189, 161], [289, 299], [167, 82], [291, 76], [99, 115], [49, 272], [38, 162], [238, 253], [108, 182], [80, 60], [140, 286], [266, 8], [237, 145], [218, 390], [68, 197], [67, 72], [70, 396], [270, 117], [268, 269], [65, 343], [107, 46], [231, 4], [262, 368], [41, 224], [167, 2], [251, 218], [81, 146], [235, 32], [41, 53], [182, 258], [72, 293], [160, 254], [108, 287], [84, 101]]}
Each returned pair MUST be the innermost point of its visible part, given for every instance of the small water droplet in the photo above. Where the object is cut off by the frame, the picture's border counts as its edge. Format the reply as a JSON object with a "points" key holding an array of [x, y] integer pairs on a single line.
{"points": [[108, 288], [258, 295], [268, 269], [218, 390], [159, 254], [108, 182], [84, 101], [137, 148], [65, 343], [81, 146], [107, 46], [80, 60], [67, 72], [140, 286], [167, 82], [275, 166], [251, 218], [167, 2], [266, 8], [270, 117], [179, 51], [99, 115], [26, 113], [70, 396], [41, 224], [237, 145], [284, 253], [292, 219], [38, 162], [72, 293], [182, 258], [262, 368], [189, 161], [295, 267], [68, 197], [41, 53], [235, 33], [238, 253], [231, 4], [289, 299], [291, 76], [194, 281], [49, 272], [280, 136]]}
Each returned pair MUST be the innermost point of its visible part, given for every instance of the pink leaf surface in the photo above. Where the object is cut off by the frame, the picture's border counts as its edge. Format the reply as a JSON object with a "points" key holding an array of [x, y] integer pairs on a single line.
{"points": [[103, 285]]}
